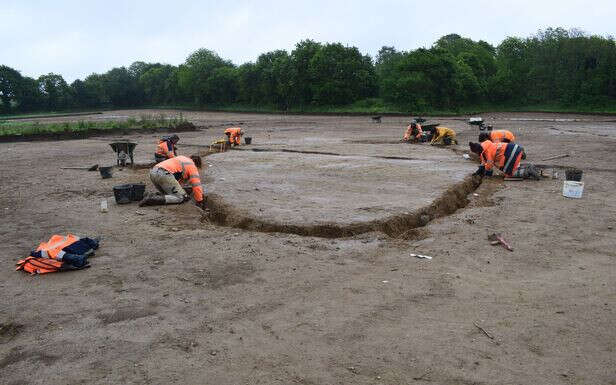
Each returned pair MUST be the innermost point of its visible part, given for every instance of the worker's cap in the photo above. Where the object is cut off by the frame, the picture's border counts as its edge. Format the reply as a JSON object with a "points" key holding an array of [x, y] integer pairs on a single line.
{"points": [[475, 147]]}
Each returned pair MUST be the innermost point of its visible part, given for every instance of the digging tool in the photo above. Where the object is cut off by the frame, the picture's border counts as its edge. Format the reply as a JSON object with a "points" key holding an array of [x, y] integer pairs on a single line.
{"points": [[91, 168], [555, 157], [496, 239]]}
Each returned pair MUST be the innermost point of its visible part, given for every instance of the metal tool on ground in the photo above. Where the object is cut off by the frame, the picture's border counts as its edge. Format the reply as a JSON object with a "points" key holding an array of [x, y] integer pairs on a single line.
{"points": [[421, 256], [91, 168], [497, 239], [124, 151], [555, 157]]}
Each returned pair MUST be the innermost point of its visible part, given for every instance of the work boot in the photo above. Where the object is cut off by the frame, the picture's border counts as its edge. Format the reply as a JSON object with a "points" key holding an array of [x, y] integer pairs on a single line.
{"points": [[152, 200]]}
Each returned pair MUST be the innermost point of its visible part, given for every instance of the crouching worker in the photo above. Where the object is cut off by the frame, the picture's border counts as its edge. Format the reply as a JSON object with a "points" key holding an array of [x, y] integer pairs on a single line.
{"points": [[167, 177], [234, 134], [166, 148], [413, 133], [505, 156], [497, 136], [444, 135]]}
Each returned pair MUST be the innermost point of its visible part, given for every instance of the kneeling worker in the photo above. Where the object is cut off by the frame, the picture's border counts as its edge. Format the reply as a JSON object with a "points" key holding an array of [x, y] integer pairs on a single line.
{"points": [[413, 133], [234, 134], [166, 148], [497, 136], [505, 156], [444, 135], [167, 177]]}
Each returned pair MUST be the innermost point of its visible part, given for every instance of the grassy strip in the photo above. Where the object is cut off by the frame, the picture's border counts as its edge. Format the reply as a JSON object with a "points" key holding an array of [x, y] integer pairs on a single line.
{"points": [[37, 128], [373, 106]]}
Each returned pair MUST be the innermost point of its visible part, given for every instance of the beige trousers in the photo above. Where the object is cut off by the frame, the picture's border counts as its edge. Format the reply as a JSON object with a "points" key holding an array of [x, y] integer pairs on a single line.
{"points": [[165, 182]]}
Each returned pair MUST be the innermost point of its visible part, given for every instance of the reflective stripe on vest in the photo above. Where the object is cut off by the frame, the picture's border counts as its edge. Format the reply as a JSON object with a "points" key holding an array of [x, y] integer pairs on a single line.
{"points": [[511, 158], [54, 250]]}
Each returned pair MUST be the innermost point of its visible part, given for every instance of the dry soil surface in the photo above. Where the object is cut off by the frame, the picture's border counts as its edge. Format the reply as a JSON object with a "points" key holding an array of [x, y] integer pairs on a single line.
{"points": [[171, 298]]}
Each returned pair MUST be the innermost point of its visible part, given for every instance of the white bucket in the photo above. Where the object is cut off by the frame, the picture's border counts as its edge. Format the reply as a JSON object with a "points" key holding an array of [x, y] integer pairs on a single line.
{"points": [[572, 189]]}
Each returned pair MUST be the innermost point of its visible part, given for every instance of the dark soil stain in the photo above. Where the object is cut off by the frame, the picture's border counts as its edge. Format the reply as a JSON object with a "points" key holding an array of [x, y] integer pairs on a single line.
{"points": [[221, 275], [17, 355], [8, 331], [125, 314]]}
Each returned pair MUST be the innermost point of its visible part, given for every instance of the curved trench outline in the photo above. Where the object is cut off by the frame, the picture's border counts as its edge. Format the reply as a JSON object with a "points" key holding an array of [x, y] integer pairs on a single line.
{"points": [[454, 198]]}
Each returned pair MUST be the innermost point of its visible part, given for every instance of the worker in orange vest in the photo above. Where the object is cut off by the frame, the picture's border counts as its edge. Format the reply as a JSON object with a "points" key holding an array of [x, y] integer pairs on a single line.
{"points": [[166, 148], [497, 136], [413, 133], [505, 156], [234, 134], [168, 177]]}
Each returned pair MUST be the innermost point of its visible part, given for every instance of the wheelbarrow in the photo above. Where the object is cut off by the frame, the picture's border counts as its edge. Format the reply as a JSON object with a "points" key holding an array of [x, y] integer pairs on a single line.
{"points": [[123, 150]]}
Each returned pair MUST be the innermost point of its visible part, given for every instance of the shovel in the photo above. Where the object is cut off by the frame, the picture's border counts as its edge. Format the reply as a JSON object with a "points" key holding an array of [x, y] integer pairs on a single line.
{"points": [[91, 168]]}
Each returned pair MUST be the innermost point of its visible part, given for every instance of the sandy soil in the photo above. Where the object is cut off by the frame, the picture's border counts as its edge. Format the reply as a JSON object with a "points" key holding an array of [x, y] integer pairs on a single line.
{"points": [[172, 299]]}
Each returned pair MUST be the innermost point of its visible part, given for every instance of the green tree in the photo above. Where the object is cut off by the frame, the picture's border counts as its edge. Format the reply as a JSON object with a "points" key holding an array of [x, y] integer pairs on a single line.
{"points": [[10, 84], [55, 91]]}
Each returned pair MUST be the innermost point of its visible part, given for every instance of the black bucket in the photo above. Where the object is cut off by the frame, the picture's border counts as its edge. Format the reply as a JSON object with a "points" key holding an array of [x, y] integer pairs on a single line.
{"points": [[247, 139], [105, 172], [137, 191], [123, 193], [573, 174]]}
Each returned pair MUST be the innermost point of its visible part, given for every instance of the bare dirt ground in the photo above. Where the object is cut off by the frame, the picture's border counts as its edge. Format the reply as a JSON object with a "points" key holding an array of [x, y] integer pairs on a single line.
{"points": [[172, 299]]}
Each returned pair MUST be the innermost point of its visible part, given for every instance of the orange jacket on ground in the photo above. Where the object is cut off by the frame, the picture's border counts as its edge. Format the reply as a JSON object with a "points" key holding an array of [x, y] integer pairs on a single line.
{"points": [[443, 132], [409, 132], [165, 149], [505, 156], [498, 136], [235, 134], [34, 265], [188, 172], [53, 248]]}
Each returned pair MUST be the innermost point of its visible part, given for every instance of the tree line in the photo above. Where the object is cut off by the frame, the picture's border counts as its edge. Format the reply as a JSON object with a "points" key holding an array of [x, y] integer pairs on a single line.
{"points": [[555, 66]]}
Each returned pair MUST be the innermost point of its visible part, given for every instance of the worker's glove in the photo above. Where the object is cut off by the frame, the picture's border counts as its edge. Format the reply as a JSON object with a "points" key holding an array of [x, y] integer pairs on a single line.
{"points": [[481, 171]]}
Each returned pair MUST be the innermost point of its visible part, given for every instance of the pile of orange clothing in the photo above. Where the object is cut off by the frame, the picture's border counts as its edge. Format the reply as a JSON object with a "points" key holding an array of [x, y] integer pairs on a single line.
{"points": [[60, 253]]}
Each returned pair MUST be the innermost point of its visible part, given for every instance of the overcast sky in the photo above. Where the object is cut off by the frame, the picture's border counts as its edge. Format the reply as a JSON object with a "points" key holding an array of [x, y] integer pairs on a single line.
{"points": [[77, 38]]}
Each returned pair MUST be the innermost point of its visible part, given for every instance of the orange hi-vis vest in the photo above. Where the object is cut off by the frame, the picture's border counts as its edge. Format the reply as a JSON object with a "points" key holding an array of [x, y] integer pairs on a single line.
{"points": [[35, 265], [409, 132], [53, 247], [185, 167], [498, 136], [505, 156], [50, 250], [164, 150], [234, 134]]}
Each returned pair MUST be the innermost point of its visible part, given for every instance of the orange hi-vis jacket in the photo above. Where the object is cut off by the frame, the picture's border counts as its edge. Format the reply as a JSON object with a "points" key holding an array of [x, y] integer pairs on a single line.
{"points": [[409, 132], [498, 136], [185, 168], [234, 134], [164, 149], [505, 156], [53, 248], [50, 251]]}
